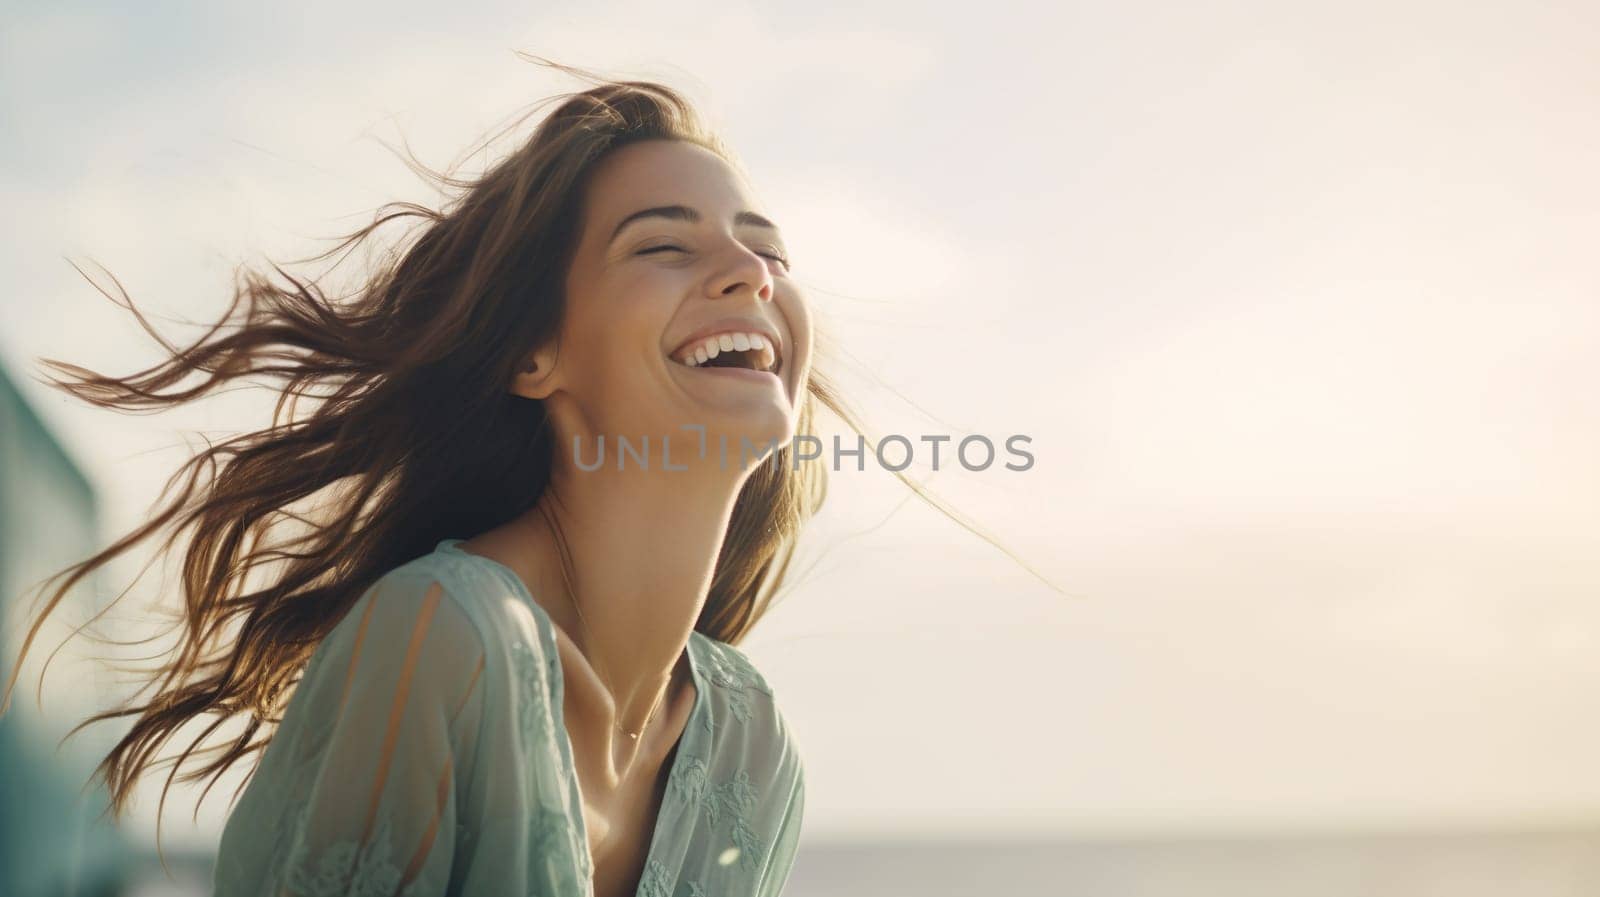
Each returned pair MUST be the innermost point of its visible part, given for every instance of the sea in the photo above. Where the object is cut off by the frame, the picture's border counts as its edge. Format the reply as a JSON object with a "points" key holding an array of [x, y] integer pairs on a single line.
{"points": [[1555, 863]]}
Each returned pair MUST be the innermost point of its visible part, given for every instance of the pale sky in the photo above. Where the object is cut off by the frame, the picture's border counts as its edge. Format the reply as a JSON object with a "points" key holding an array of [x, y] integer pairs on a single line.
{"points": [[1297, 303]]}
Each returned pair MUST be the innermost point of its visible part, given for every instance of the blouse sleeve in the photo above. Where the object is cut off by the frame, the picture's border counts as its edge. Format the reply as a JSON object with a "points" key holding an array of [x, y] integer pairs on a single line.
{"points": [[787, 842], [393, 697]]}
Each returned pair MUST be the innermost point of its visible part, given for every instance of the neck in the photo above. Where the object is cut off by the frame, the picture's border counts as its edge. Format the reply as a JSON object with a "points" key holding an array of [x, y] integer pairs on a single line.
{"points": [[642, 547]]}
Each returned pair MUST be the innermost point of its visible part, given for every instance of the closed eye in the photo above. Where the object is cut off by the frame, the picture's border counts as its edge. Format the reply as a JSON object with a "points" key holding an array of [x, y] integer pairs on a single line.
{"points": [[654, 249]]}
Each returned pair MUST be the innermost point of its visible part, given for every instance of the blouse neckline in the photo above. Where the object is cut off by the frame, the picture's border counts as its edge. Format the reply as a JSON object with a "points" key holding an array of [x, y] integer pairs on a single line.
{"points": [[679, 751]]}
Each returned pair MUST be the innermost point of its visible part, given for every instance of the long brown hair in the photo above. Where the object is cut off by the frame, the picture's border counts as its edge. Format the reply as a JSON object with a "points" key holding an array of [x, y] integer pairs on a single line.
{"points": [[405, 446]]}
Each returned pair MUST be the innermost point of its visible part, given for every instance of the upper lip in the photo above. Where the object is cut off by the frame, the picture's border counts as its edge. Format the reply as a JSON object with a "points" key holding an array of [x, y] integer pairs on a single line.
{"points": [[735, 325]]}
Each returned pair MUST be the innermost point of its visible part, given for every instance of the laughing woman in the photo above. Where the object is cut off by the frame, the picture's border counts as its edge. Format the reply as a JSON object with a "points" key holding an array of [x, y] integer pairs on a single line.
{"points": [[533, 709], [511, 670], [497, 654]]}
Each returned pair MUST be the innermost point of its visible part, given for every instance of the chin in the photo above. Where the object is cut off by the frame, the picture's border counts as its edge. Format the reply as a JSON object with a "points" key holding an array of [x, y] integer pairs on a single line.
{"points": [[752, 436]]}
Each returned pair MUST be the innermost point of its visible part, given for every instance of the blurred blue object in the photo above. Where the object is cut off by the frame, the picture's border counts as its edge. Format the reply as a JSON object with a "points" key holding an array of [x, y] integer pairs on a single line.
{"points": [[55, 839]]}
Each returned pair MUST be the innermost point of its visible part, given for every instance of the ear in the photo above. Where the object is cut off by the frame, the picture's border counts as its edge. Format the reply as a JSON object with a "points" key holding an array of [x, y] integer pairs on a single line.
{"points": [[535, 376]]}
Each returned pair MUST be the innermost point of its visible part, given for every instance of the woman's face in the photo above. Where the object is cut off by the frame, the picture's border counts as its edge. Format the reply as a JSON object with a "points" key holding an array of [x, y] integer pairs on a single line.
{"points": [[674, 254]]}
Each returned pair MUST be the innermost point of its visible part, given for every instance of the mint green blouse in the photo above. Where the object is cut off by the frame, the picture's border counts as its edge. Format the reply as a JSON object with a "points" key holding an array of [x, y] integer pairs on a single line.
{"points": [[424, 753]]}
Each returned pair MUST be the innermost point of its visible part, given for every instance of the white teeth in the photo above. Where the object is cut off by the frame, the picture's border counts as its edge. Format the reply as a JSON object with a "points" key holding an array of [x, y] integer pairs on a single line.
{"points": [[712, 346]]}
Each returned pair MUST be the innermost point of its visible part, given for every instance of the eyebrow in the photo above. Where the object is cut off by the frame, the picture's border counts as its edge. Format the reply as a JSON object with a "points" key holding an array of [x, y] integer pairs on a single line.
{"points": [[684, 213]]}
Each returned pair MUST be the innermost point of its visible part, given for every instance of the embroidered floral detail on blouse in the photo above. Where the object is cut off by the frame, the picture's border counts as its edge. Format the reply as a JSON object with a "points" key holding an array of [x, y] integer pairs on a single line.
{"points": [[689, 780], [530, 705], [735, 797], [748, 842], [549, 829], [723, 674], [552, 849], [736, 679], [739, 705], [731, 799], [345, 867], [657, 881], [733, 673]]}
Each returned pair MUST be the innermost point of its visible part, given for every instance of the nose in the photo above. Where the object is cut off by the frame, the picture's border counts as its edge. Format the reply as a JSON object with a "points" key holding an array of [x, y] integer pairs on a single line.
{"points": [[746, 271]]}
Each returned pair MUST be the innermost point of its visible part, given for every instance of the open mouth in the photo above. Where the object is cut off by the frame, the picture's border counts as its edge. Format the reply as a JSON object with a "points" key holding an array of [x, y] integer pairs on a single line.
{"points": [[737, 349]]}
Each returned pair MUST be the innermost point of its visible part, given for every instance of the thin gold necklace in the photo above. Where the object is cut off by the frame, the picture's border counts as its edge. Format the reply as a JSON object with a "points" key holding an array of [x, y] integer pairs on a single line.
{"points": [[584, 625]]}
